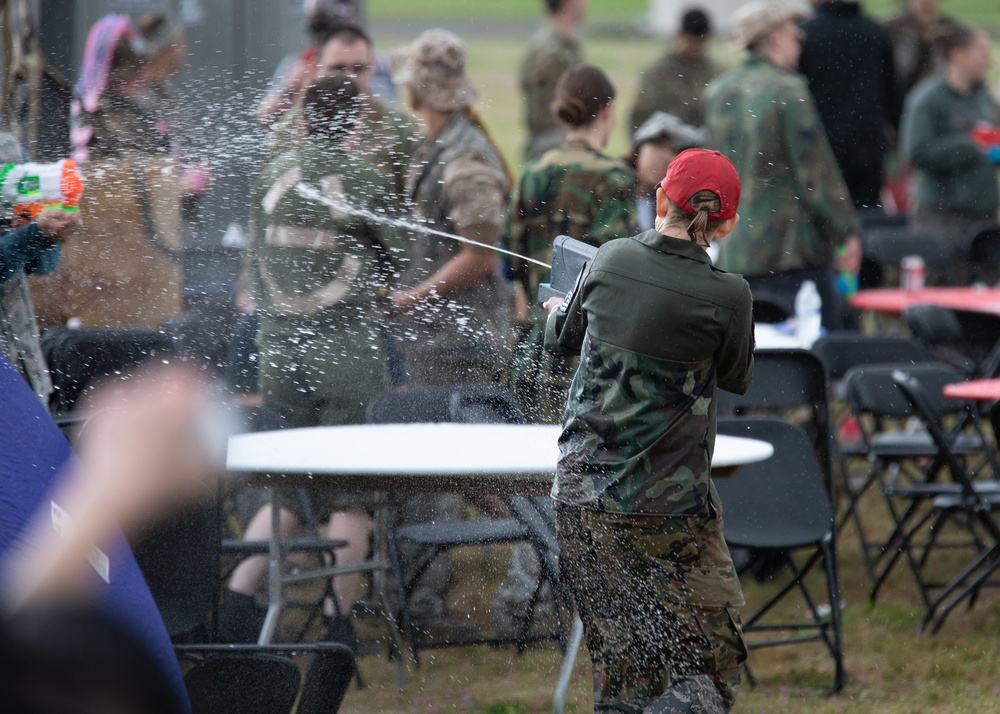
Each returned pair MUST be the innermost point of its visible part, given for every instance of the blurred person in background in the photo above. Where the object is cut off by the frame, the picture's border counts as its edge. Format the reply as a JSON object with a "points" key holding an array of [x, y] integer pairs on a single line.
{"points": [[126, 268], [798, 221], [296, 71], [675, 83], [914, 34], [318, 274], [551, 51], [452, 316], [956, 178], [654, 145], [576, 191], [847, 62]]}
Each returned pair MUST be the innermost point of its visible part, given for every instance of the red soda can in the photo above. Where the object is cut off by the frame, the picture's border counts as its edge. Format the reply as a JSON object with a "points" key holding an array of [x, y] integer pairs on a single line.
{"points": [[911, 272]]}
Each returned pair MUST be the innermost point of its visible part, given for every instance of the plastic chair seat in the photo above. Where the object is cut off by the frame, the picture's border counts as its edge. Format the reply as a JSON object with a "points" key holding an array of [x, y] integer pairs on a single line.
{"points": [[891, 445]]}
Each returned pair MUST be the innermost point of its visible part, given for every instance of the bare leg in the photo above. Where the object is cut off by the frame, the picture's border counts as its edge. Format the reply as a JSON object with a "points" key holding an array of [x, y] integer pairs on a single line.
{"points": [[353, 527], [248, 575]]}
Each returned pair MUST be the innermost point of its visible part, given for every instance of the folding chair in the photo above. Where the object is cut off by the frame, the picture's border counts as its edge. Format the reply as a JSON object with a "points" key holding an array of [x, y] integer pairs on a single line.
{"points": [[904, 457], [984, 253], [787, 383], [839, 352], [782, 506], [243, 682], [939, 330], [534, 519], [970, 503]]}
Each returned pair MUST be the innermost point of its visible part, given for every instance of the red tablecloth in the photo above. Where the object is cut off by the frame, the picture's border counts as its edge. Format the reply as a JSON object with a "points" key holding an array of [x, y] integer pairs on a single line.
{"points": [[976, 390], [896, 300]]}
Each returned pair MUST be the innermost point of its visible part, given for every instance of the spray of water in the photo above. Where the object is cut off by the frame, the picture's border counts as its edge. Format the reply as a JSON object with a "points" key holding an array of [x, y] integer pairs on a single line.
{"points": [[311, 194]]}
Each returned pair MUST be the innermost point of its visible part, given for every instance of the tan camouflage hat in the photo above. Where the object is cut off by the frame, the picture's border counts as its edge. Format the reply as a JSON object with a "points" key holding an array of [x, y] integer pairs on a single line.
{"points": [[756, 20], [434, 66]]}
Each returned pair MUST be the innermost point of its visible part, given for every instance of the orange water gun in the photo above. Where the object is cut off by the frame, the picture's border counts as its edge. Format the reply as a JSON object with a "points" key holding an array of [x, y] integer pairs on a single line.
{"points": [[28, 189]]}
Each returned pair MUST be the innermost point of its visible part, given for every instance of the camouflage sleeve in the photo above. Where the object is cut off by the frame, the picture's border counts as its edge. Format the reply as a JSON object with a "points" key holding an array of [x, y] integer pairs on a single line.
{"points": [[567, 326], [616, 211], [822, 187], [734, 360], [249, 280], [476, 191], [931, 148]]}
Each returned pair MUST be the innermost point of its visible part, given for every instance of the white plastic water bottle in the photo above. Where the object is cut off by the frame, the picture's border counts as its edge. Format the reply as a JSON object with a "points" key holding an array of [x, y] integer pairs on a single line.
{"points": [[808, 310]]}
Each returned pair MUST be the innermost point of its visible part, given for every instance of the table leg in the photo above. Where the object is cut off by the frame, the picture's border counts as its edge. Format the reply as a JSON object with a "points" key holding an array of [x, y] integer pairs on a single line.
{"points": [[275, 599], [569, 661]]}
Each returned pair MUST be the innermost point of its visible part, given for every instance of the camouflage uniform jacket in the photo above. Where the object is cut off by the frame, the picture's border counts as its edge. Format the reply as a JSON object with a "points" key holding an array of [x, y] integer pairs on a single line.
{"points": [[312, 266], [548, 56], [676, 85], [457, 183], [574, 191], [661, 329], [795, 209]]}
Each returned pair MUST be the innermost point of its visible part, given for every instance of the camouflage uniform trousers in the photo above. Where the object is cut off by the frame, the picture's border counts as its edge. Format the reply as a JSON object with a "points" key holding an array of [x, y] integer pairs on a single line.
{"points": [[650, 653]]}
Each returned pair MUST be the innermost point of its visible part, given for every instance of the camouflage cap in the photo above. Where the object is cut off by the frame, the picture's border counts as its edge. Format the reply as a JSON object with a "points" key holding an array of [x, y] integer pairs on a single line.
{"points": [[756, 20], [662, 125], [434, 67]]}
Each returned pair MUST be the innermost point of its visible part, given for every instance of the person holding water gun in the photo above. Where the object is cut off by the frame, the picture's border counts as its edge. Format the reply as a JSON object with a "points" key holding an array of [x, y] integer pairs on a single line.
{"points": [[32, 229]]}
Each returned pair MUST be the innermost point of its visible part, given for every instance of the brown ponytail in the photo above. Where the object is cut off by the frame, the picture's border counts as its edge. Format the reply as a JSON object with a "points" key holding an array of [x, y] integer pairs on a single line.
{"points": [[701, 228], [477, 120]]}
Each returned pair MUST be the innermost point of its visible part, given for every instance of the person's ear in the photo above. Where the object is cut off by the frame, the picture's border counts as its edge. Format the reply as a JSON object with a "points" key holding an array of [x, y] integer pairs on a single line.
{"points": [[662, 203], [727, 226]]}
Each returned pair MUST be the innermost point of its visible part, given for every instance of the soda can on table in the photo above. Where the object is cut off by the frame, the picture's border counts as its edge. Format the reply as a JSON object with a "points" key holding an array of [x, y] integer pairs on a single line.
{"points": [[911, 272]]}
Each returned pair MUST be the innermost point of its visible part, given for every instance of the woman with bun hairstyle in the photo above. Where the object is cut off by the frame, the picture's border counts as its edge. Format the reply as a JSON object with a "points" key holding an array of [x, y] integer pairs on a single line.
{"points": [[573, 190], [659, 330]]}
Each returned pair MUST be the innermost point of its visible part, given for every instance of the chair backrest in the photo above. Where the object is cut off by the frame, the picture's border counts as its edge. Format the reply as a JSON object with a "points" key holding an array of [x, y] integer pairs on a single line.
{"points": [[245, 682], [781, 379], [871, 389], [770, 307], [784, 380], [179, 558], [839, 351], [780, 502], [888, 245], [470, 404], [986, 244], [76, 357], [940, 330]]}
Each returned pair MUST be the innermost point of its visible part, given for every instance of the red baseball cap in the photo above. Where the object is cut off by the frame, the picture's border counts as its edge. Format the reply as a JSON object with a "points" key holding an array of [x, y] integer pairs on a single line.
{"points": [[697, 170]]}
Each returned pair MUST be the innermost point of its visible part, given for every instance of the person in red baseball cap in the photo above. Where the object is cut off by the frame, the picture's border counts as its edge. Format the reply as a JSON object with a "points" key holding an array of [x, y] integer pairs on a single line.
{"points": [[659, 331]]}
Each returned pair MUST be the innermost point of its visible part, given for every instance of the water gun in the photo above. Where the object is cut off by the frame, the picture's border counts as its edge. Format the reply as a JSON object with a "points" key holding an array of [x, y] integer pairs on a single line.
{"points": [[27, 189], [986, 137]]}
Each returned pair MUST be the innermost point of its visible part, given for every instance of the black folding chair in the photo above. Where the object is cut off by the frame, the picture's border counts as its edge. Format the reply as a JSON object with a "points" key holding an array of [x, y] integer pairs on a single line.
{"points": [[839, 352], [940, 331], [235, 683], [782, 506], [533, 521], [905, 459], [967, 502], [770, 307]]}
